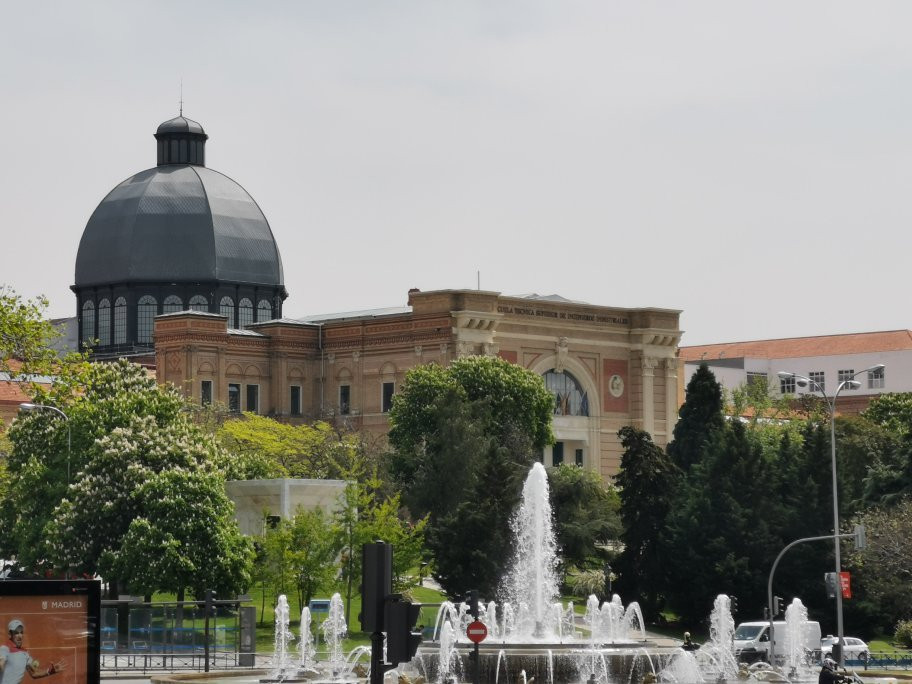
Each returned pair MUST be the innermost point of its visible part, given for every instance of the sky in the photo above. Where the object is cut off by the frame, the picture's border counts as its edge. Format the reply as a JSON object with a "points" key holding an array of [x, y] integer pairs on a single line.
{"points": [[744, 162]]}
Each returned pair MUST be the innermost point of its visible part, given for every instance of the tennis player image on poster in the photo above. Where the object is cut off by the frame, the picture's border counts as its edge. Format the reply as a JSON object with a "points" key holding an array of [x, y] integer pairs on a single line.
{"points": [[47, 633], [15, 660]]}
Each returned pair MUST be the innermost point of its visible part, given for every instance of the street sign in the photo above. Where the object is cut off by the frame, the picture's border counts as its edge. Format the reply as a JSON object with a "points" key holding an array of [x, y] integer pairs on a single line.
{"points": [[477, 632], [845, 582]]}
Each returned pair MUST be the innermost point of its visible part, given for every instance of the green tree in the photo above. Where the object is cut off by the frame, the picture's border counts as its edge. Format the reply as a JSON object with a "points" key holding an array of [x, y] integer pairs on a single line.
{"points": [[184, 538], [128, 435], [26, 336], [882, 572], [699, 417], [892, 411], [315, 549], [647, 481], [274, 449], [586, 517], [464, 437]]}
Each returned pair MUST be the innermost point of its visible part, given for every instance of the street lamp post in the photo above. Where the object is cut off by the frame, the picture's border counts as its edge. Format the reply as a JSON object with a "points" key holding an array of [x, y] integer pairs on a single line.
{"points": [[850, 383], [28, 407]]}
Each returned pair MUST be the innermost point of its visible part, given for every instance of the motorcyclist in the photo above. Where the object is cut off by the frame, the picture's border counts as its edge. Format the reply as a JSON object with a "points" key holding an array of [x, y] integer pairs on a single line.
{"points": [[829, 674]]}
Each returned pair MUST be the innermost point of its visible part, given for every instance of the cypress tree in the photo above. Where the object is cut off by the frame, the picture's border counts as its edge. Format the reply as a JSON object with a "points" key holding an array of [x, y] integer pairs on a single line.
{"points": [[700, 416]]}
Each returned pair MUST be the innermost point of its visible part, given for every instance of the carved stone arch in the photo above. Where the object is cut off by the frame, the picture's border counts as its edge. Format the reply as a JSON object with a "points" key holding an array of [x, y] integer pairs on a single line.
{"points": [[206, 367], [388, 368], [582, 374], [344, 374], [252, 371], [296, 373], [233, 369]]}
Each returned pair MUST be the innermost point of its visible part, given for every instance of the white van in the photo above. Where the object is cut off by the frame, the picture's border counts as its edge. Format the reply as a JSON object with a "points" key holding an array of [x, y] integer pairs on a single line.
{"points": [[752, 640]]}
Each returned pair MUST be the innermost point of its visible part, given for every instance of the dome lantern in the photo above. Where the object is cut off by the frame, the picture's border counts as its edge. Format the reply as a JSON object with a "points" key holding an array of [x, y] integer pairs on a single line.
{"points": [[181, 141]]}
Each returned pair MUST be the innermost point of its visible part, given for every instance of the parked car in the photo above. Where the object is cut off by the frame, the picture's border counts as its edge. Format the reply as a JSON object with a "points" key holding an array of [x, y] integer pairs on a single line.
{"points": [[852, 649]]}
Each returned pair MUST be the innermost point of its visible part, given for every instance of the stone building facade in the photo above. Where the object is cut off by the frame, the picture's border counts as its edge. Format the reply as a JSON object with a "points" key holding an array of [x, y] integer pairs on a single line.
{"points": [[607, 367]]}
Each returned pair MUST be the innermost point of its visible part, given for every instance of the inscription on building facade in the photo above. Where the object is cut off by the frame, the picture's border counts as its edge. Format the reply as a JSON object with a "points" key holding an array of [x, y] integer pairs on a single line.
{"points": [[562, 315]]}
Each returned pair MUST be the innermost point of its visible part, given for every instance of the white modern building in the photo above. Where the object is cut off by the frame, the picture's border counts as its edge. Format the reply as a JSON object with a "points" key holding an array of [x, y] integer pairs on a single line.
{"points": [[826, 359]]}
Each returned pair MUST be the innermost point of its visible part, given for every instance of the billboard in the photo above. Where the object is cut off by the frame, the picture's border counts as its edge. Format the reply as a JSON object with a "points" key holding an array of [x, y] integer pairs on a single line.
{"points": [[50, 629]]}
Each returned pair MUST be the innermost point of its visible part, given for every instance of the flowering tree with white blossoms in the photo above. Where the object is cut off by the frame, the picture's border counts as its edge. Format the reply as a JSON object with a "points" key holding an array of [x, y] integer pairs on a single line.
{"points": [[145, 506]]}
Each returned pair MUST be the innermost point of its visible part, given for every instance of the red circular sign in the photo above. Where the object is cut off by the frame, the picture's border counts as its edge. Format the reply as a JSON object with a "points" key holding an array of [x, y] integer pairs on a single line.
{"points": [[477, 632]]}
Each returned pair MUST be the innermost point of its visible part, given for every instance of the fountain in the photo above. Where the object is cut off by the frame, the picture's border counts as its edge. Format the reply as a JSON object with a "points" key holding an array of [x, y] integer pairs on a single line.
{"points": [[530, 633], [281, 669]]}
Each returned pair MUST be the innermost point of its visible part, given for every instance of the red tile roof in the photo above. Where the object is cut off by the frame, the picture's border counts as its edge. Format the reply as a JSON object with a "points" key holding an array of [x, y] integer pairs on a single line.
{"points": [[797, 347]]}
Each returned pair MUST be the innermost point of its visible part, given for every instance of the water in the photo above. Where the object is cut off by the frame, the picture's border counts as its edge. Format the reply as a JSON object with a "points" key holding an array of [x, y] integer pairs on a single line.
{"points": [[334, 629], [281, 666], [306, 648]]}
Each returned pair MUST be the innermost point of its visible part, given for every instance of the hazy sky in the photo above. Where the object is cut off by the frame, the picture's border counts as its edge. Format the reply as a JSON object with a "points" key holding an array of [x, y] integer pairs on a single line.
{"points": [[746, 162]]}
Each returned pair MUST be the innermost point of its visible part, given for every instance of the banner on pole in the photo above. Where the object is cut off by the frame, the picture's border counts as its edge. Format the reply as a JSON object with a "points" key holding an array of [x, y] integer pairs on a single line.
{"points": [[845, 582]]}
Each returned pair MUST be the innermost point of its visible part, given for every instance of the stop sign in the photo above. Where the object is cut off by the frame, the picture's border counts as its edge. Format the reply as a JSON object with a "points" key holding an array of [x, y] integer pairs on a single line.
{"points": [[477, 632]]}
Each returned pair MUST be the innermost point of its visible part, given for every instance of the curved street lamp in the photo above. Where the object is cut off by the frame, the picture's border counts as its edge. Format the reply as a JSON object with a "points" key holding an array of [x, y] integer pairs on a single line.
{"points": [[848, 383], [29, 407]]}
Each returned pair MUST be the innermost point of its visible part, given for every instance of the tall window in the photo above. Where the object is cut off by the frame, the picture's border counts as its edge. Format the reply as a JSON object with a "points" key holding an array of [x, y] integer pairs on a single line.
{"points": [[206, 392], [569, 397], [818, 377], [557, 453], [579, 457], [120, 321], [245, 313], [173, 304], [253, 398], [876, 378], [88, 322], [787, 384], [226, 308], [104, 322], [199, 303], [234, 397], [264, 311], [145, 318], [344, 399], [386, 402], [295, 400], [846, 376]]}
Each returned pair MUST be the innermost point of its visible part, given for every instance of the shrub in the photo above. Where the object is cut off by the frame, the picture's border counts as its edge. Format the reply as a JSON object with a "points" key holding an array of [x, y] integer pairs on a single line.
{"points": [[585, 582], [903, 635]]}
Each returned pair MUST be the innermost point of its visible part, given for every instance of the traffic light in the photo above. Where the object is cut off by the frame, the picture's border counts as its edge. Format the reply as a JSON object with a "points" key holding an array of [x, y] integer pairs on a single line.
{"points": [[777, 605], [472, 600], [210, 605], [733, 604], [861, 540], [376, 583], [401, 641], [832, 584]]}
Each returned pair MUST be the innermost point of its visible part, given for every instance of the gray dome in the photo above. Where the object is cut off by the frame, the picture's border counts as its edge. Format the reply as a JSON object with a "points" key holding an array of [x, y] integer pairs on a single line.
{"points": [[180, 124], [178, 223]]}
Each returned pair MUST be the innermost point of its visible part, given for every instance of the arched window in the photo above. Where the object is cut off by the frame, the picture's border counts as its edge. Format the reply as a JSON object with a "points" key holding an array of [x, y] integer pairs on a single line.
{"points": [[264, 311], [88, 322], [120, 321], [569, 397], [199, 303], [104, 322], [245, 313], [226, 308], [173, 304], [145, 318]]}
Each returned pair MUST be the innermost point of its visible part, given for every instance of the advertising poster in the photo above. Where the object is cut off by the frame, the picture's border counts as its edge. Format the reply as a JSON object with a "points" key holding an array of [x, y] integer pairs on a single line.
{"points": [[49, 632]]}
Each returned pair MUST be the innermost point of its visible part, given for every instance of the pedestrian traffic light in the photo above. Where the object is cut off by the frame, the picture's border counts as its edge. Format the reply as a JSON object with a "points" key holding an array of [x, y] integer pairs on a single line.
{"points": [[832, 584], [376, 584], [401, 641], [472, 601]]}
